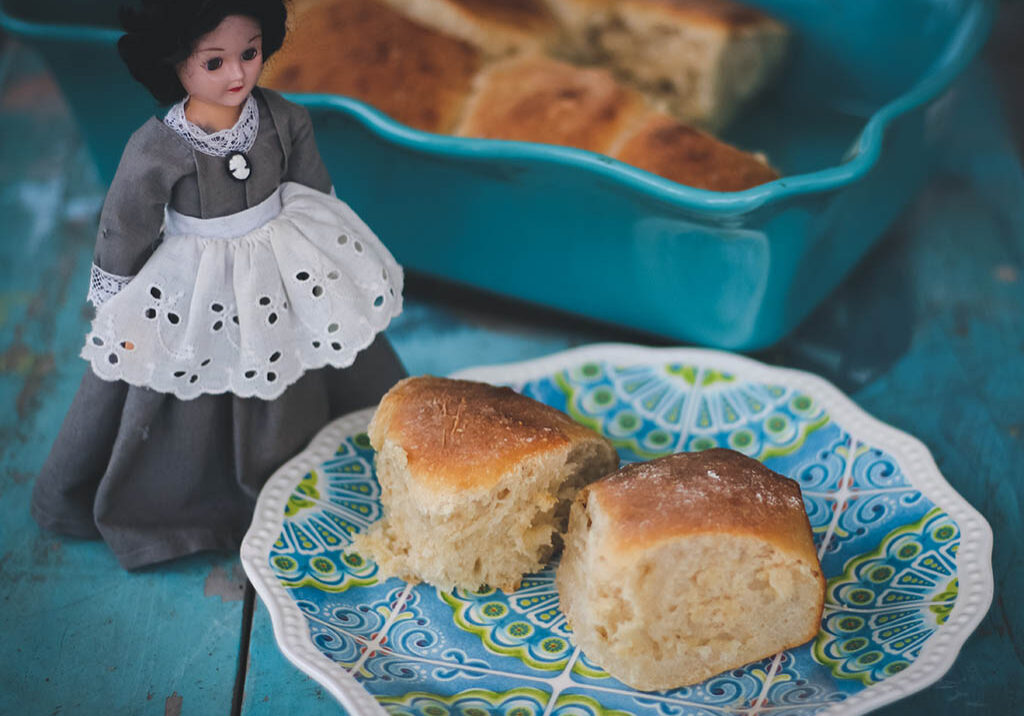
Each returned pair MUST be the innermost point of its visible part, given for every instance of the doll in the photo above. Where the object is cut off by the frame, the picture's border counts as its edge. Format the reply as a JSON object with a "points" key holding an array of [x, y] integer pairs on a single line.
{"points": [[239, 304]]}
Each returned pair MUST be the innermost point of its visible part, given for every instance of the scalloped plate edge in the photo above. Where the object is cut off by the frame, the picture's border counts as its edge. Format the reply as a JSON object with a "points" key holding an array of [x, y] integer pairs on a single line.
{"points": [[937, 656], [288, 621]]}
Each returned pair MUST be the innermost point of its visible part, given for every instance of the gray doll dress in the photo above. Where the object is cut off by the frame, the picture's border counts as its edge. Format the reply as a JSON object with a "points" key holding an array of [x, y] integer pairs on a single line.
{"points": [[239, 313]]}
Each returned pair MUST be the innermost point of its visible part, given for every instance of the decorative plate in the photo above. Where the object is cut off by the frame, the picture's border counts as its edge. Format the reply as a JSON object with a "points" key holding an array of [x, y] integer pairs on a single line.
{"points": [[908, 561]]}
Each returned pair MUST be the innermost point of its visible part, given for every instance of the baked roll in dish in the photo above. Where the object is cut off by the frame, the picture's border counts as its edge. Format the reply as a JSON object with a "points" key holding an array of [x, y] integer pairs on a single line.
{"points": [[368, 50], [487, 69], [476, 482], [534, 98], [683, 567], [664, 146], [497, 27], [704, 58]]}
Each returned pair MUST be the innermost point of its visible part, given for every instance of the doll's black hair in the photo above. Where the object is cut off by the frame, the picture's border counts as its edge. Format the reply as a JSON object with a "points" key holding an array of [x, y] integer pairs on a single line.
{"points": [[160, 34]]}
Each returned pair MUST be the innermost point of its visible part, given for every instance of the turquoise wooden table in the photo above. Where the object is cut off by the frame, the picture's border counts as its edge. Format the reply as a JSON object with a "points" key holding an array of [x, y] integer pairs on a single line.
{"points": [[927, 335]]}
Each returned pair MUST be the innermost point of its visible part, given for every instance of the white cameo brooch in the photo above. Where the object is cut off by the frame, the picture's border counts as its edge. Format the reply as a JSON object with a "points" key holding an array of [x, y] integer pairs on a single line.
{"points": [[239, 166]]}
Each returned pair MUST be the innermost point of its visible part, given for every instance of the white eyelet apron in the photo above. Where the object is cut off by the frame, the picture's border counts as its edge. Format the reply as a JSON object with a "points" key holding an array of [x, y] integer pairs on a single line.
{"points": [[248, 302]]}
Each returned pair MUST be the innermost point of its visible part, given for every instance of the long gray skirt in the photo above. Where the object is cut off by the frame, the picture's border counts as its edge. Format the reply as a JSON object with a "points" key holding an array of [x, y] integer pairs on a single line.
{"points": [[159, 478]]}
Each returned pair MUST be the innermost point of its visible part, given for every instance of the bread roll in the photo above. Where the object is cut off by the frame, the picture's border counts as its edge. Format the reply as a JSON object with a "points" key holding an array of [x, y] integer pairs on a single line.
{"points": [[704, 58], [431, 64], [367, 50], [539, 99], [476, 482], [664, 146], [497, 27], [535, 98], [680, 568]]}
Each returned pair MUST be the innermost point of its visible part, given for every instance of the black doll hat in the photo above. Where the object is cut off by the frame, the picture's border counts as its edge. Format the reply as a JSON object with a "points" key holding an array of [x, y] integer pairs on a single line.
{"points": [[160, 34]]}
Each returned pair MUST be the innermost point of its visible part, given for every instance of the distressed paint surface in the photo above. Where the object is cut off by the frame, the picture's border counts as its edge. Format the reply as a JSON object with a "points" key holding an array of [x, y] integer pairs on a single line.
{"points": [[80, 635], [272, 684]]}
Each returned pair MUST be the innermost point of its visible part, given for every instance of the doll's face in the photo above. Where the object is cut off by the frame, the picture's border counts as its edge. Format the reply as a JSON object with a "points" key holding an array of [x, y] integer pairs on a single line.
{"points": [[224, 67]]}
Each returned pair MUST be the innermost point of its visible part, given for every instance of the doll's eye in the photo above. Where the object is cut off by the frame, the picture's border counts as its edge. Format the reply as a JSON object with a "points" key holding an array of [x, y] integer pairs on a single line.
{"points": [[214, 64], [250, 54]]}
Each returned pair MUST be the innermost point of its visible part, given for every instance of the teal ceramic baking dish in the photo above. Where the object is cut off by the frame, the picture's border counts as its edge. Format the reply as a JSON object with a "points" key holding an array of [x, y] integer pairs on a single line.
{"points": [[847, 125]]}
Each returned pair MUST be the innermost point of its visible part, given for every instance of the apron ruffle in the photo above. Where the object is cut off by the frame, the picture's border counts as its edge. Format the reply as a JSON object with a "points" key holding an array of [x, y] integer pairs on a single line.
{"points": [[249, 315]]}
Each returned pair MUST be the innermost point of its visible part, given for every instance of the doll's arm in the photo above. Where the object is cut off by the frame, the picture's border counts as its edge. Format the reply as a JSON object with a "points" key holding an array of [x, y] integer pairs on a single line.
{"points": [[132, 215], [304, 163]]}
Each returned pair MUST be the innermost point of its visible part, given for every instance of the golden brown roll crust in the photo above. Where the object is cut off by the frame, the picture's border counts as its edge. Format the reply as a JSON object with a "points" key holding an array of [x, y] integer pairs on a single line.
{"points": [[460, 435], [476, 482], [668, 148], [430, 64], [366, 50], [539, 99], [717, 490], [687, 566], [496, 28]]}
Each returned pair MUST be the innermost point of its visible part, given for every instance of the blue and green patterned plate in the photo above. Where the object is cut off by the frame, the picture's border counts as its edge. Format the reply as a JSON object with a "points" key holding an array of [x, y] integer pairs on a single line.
{"points": [[908, 561]]}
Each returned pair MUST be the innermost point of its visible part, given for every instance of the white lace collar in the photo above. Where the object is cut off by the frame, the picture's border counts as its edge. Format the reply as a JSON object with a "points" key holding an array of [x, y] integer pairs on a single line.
{"points": [[238, 138]]}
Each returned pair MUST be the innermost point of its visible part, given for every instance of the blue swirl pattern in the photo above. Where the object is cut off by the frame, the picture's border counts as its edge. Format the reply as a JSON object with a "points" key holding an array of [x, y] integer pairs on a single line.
{"points": [[889, 555], [873, 468]]}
